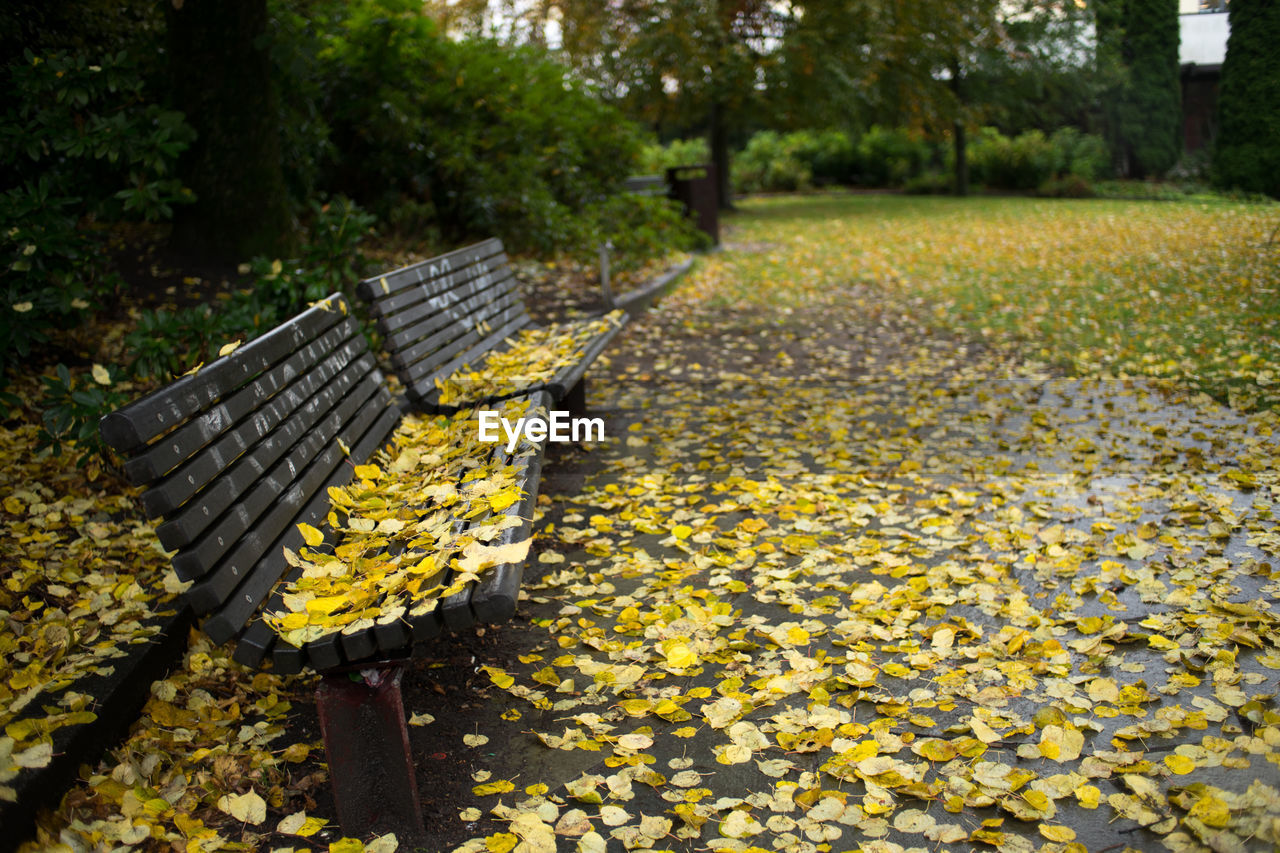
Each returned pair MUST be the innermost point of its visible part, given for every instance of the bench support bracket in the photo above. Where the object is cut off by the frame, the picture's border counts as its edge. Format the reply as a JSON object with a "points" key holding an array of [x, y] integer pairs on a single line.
{"points": [[367, 745]]}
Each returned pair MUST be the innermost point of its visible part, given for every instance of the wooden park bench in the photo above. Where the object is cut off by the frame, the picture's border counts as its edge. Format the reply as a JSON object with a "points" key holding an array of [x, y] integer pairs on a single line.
{"points": [[254, 463], [447, 321]]}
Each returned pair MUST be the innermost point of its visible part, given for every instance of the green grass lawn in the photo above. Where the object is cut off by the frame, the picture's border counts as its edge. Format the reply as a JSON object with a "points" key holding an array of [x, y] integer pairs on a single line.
{"points": [[1182, 290]]}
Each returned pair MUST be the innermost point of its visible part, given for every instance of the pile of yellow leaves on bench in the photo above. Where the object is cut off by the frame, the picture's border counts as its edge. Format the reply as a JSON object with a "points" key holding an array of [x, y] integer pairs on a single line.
{"points": [[398, 532], [531, 358]]}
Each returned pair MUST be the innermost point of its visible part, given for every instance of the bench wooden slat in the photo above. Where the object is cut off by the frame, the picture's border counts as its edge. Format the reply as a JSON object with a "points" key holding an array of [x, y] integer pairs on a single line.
{"points": [[135, 425], [325, 653], [204, 560], [358, 645], [423, 387], [570, 375], [428, 355], [433, 295], [393, 635], [462, 336], [490, 300], [254, 497], [402, 327], [278, 529], [289, 418], [178, 446], [494, 598], [427, 270]]}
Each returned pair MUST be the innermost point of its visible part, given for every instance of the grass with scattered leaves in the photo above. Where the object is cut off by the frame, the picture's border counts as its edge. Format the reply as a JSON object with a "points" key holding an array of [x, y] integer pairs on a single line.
{"points": [[1182, 290]]}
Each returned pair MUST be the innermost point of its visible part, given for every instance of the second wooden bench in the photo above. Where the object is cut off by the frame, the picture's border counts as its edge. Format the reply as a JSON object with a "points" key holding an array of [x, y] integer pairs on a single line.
{"points": [[458, 333]]}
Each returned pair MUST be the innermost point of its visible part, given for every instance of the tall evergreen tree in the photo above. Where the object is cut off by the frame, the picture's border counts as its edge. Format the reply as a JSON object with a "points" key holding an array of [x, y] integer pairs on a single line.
{"points": [[1247, 150], [1138, 39]]}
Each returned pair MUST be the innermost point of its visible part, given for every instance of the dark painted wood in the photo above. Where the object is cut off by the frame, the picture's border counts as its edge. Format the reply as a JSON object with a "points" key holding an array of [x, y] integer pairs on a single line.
{"points": [[163, 456], [428, 355], [439, 267], [428, 319], [440, 314], [138, 423], [276, 430], [423, 386], [494, 599], [407, 306], [265, 494]]}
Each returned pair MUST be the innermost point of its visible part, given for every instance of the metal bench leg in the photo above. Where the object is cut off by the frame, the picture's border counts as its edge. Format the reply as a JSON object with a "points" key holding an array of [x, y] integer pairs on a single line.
{"points": [[575, 401], [367, 744]]}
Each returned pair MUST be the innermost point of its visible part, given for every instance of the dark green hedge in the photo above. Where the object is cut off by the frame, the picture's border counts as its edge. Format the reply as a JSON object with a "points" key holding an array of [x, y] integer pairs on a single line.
{"points": [[1247, 151]]}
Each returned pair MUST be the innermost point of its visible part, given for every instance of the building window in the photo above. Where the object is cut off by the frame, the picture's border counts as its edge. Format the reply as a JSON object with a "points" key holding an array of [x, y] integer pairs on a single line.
{"points": [[1213, 5]]}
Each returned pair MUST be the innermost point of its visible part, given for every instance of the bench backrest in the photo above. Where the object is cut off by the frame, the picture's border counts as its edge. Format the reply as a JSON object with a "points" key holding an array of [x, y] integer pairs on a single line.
{"points": [[235, 455], [443, 312]]}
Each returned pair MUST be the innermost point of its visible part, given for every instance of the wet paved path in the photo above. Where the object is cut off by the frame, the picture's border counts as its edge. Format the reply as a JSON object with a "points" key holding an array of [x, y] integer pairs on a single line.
{"points": [[836, 581]]}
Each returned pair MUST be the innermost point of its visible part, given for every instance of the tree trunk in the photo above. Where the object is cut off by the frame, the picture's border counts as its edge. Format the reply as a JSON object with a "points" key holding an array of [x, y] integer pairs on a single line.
{"points": [[719, 144], [221, 76], [958, 129], [962, 158]]}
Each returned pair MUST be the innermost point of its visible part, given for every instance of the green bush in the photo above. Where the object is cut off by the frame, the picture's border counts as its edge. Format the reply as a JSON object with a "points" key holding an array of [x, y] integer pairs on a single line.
{"points": [[929, 183], [639, 228], [1067, 186], [831, 155], [164, 344], [1031, 161], [329, 262], [1080, 154], [479, 139], [773, 162], [1023, 162], [79, 143], [72, 407], [655, 159], [888, 157], [770, 163]]}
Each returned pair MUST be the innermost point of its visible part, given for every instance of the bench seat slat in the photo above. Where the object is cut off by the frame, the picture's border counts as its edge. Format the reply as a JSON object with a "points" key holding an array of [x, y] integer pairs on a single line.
{"points": [[262, 491], [243, 578], [325, 653], [570, 375], [278, 529], [392, 636], [494, 597]]}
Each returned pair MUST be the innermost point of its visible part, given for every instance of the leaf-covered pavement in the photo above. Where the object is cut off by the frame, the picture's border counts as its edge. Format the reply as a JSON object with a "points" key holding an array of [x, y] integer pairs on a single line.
{"points": [[845, 581], [848, 574]]}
